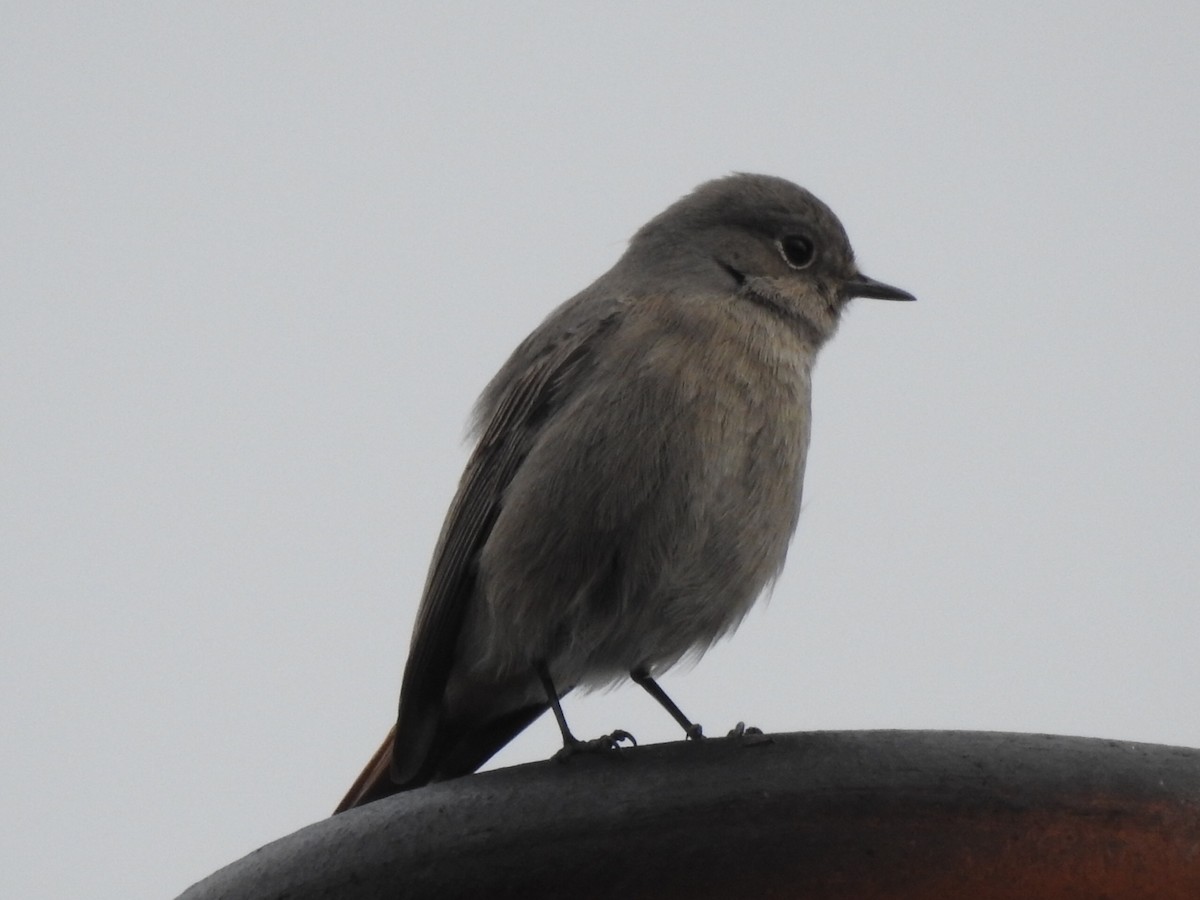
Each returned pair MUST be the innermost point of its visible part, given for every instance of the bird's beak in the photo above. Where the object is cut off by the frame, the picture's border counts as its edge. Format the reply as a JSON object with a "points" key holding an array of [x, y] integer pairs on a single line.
{"points": [[862, 286]]}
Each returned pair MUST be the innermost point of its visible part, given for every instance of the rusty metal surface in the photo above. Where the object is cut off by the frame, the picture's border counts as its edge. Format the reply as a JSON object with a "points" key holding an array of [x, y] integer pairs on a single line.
{"points": [[864, 815]]}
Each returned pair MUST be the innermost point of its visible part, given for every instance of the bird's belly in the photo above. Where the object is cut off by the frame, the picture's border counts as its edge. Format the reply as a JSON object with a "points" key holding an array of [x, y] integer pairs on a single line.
{"points": [[649, 515], [721, 565], [596, 599]]}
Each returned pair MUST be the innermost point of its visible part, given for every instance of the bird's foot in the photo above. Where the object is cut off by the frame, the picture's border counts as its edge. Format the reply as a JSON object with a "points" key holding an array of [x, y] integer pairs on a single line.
{"points": [[749, 736], [606, 743], [694, 732]]}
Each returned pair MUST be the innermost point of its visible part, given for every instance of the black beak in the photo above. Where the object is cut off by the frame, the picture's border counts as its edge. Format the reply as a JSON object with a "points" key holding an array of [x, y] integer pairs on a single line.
{"points": [[862, 286]]}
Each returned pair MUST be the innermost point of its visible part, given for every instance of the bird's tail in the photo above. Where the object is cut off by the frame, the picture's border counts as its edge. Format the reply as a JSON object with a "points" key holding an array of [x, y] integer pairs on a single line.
{"points": [[375, 781], [453, 752]]}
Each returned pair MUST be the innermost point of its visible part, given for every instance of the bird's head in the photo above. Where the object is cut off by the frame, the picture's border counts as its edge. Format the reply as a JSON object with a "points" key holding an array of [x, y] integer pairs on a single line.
{"points": [[764, 240]]}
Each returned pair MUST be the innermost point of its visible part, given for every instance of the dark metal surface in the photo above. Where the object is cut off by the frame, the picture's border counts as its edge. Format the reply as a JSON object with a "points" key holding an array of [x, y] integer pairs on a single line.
{"points": [[884, 814]]}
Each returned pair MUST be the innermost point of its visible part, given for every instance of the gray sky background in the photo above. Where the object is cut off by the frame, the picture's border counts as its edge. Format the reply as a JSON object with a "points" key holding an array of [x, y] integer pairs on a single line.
{"points": [[258, 260]]}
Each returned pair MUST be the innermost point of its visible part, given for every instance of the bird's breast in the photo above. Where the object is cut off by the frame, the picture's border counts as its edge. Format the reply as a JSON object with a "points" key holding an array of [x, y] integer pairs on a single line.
{"points": [[656, 505]]}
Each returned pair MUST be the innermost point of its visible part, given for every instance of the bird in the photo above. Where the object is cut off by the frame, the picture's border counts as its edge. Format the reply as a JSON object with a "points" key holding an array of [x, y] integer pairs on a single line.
{"points": [[636, 480]]}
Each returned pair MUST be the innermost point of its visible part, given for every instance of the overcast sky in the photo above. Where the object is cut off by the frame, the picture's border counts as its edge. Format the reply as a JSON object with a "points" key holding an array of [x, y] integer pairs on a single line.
{"points": [[258, 260]]}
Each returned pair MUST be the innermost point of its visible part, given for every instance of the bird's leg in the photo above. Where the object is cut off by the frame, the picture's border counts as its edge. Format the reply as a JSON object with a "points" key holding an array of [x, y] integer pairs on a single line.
{"points": [[691, 729], [572, 744], [552, 695]]}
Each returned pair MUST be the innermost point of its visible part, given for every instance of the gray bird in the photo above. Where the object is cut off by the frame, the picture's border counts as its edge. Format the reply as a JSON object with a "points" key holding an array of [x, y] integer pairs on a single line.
{"points": [[637, 478]]}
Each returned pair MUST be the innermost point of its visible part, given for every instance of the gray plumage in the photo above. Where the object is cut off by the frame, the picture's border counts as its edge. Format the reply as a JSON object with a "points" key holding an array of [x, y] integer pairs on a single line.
{"points": [[638, 474]]}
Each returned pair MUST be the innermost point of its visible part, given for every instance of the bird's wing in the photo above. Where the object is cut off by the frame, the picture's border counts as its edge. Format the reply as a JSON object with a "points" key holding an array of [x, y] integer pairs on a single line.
{"points": [[509, 431], [508, 434]]}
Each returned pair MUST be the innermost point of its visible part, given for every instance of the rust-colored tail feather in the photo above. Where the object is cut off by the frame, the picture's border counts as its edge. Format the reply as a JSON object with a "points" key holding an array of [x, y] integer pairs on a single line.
{"points": [[454, 753], [376, 779]]}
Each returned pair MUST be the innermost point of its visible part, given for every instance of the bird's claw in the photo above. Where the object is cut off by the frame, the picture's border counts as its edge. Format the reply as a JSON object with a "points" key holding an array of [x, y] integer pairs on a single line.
{"points": [[748, 735], [614, 739], [606, 743]]}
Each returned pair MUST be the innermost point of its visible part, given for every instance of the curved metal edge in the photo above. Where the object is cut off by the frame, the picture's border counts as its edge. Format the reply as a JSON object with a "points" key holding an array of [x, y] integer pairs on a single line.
{"points": [[875, 814]]}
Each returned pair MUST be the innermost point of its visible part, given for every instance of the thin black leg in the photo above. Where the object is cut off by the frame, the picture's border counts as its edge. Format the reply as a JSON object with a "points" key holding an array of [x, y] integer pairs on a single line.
{"points": [[572, 744], [569, 740], [642, 677]]}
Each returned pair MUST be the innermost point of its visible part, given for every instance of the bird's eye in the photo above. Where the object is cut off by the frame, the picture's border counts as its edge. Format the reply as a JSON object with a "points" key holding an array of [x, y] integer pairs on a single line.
{"points": [[797, 250]]}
